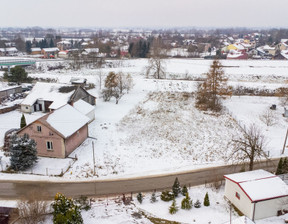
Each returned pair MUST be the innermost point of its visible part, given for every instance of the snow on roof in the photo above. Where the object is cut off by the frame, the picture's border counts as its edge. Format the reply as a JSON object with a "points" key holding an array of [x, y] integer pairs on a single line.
{"points": [[284, 40], [92, 50], [284, 53], [83, 107], [234, 54], [51, 49], [48, 92], [239, 46], [8, 49], [259, 184], [266, 188], [67, 120], [249, 176], [64, 42], [35, 49], [267, 47]]}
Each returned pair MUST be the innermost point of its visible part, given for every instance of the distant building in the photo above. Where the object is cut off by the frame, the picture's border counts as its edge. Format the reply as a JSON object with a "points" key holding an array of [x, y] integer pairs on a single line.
{"points": [[50, 52]]}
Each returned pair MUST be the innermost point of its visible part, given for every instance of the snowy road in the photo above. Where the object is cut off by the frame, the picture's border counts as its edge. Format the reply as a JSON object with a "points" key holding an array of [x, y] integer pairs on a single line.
{"points": [[16, 189]]}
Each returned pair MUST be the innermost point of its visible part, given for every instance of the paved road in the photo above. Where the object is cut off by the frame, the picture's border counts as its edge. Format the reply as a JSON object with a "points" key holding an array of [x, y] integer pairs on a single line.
{"points": [[19, 189]]}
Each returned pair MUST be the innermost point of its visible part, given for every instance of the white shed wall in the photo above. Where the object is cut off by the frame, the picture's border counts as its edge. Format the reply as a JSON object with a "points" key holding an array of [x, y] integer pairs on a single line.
{"points": [[244, 203], [265, 209]]}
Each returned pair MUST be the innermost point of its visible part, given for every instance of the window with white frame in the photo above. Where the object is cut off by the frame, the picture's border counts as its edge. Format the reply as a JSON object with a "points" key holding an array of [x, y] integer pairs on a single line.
{"points": [[49, 145]]}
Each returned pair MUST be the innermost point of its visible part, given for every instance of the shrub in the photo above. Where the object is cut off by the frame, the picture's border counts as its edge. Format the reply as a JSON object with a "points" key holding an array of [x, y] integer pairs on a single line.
{"points": [[140, 197], [197, 204], [167, 196], [173, 208], [186, 203], [65, 210]]}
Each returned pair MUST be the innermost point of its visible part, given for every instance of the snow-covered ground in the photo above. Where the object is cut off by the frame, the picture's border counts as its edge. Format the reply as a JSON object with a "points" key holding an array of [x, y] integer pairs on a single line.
{"points": [[112, 210], [156, 129]]}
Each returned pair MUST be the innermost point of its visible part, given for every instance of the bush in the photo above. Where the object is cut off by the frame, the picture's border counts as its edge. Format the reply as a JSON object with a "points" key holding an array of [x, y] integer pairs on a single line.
{"points": [[140, 197], [197, 204], [173, 208], [167, 196], [184, 190], [83, 203], [186, 203], [153, 198], [66, 211]]}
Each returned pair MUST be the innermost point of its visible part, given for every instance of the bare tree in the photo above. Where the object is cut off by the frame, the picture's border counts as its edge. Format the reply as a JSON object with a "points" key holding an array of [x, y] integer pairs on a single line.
{"points": [[268, 117], [156, 66], [33, 210], [116, 85], [213, 88], [250, 146]]}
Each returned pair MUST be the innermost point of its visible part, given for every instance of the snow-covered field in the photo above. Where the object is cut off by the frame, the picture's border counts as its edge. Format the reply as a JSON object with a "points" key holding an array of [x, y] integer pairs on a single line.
{"points": [[156, 128]]}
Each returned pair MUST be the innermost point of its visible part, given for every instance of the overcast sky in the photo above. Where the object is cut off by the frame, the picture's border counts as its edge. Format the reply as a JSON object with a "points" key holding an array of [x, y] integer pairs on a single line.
{"points": [[145, 13]]}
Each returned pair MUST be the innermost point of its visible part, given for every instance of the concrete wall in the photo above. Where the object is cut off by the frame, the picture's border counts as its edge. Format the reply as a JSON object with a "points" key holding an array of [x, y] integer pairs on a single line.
{"points": [[76, 139], [41, 139], [7, 92], [244, 203]]}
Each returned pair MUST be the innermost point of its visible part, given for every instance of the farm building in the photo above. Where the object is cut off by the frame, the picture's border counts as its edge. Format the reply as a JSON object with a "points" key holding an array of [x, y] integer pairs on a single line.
{"points": [[257, 194], [46, 97], [58, 133]]}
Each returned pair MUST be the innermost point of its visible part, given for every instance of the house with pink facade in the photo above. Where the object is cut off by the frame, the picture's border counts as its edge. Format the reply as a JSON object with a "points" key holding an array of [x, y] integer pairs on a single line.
{"points": [[58, 133]]}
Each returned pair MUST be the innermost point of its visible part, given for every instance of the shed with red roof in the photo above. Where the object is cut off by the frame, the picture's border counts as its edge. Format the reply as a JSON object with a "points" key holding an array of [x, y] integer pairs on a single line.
{"points": [[257, 194]]}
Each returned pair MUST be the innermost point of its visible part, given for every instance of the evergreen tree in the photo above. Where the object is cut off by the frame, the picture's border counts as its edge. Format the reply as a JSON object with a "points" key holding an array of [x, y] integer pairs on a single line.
{"points": [[28, 46], [280, 167], [184, 190], [186, 202], [23, 152], [176, 187], [173, 208], [51, 43], [66, 211], [285, 166], [153, 198], [17, 74], [206, 200], [23, 121], [140, 197], [197, 204]]}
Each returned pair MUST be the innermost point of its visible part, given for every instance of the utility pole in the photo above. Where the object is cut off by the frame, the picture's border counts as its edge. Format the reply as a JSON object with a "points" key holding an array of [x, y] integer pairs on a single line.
{"points": [[285, 141], [93, 159]]}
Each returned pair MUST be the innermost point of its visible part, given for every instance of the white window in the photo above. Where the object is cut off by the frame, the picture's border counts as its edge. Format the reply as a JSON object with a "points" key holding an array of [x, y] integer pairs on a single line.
{"points": [[49, 145], [39, 128]]}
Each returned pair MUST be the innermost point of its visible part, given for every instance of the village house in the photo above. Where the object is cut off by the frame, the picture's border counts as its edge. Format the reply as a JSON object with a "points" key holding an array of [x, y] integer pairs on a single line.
{"points": [[64, 45], [58, 133], [35, 50], [50, 52], [10, 51], [257, 194], [46, 97]]}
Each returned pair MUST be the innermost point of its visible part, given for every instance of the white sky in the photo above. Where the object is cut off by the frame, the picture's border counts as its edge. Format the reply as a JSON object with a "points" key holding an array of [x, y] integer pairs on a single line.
{"points": [[153, 13]]}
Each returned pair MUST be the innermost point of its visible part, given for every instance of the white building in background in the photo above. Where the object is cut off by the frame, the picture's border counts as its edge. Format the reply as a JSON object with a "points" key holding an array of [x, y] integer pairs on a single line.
{"points": [[257, 194]]}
